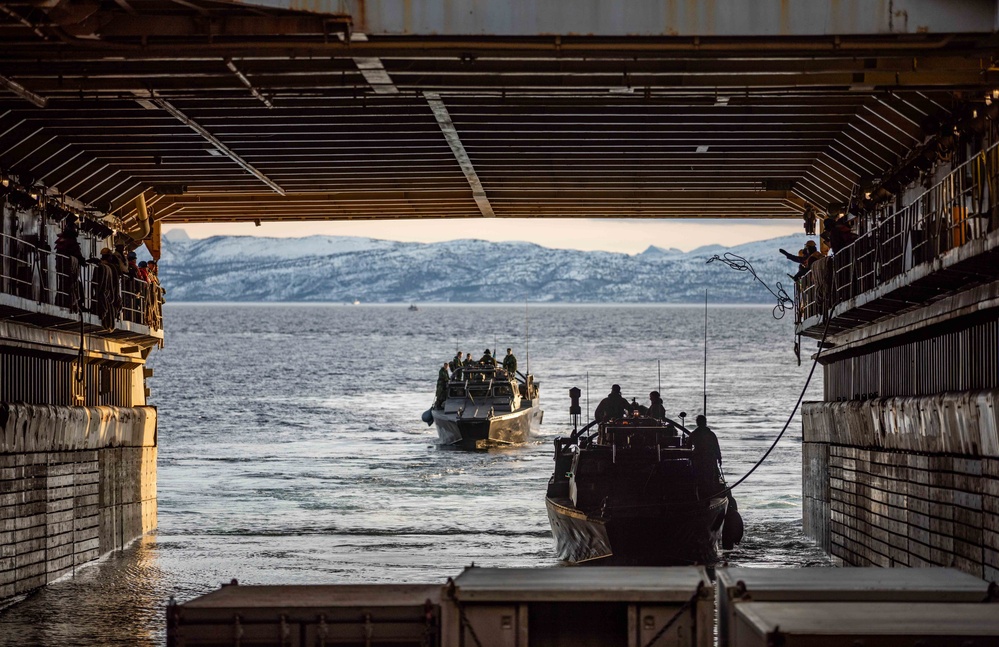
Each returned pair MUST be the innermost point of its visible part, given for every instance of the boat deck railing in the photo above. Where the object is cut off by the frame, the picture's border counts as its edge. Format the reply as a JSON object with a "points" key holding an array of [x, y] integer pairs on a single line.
{"points": [[961, 208], [55, 286]]}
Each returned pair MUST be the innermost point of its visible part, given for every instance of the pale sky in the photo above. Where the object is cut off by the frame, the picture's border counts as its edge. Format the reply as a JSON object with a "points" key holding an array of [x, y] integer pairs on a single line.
{"points": [[627, 236]]}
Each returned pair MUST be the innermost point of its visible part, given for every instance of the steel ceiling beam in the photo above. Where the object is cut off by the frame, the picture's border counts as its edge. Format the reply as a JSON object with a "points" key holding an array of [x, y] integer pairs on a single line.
{"points": [[245, 81], [215, 141], [21, 91], [460, 154]]}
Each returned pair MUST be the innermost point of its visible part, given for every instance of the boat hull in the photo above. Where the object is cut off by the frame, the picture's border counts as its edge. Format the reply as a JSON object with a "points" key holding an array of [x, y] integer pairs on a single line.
{"points": [[478, 433], [667, 535]]}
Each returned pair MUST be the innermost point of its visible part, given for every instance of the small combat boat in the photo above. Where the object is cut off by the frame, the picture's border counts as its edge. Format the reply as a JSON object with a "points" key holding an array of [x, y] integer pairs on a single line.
{"points": [[487, 406], [625, 492]]}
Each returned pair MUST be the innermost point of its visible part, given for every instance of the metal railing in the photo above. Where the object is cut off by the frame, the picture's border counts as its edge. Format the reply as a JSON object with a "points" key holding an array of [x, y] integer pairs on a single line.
{"points": [[960, 208], [34, 272]]}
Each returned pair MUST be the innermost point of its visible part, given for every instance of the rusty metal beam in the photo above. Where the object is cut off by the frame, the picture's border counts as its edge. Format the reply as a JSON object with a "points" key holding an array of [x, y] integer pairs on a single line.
{"points": [[654, 17]]}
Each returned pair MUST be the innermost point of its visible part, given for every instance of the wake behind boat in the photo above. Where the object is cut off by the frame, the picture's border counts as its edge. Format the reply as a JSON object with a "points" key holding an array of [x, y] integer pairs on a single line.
{"points": [[486, 405], [629, 492]]}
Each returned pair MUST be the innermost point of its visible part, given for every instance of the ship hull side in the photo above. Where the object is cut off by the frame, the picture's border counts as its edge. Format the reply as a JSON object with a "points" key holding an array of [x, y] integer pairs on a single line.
{"points": [[510, 429]]}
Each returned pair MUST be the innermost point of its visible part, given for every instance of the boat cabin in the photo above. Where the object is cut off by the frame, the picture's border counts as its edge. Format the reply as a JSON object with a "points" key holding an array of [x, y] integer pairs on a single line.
{"points": [[488, 388]]}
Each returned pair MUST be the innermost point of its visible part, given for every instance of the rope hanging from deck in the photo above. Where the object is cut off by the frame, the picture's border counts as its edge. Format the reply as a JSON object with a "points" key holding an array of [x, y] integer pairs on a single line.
{"points": [[801, 396], [741, 264]]}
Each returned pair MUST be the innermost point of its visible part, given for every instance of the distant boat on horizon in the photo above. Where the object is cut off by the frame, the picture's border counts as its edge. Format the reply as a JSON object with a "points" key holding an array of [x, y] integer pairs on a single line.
{"points": [[356, 302], [412, 307]]}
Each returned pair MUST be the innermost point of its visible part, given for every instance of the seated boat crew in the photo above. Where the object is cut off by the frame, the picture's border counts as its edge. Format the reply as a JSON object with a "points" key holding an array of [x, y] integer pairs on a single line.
{"points": [[631, 490], [486, 405]]}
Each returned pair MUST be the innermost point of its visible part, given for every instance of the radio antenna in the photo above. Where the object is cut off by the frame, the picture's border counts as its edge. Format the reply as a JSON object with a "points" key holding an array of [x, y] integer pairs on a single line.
{"points": [[527, 338], [587, 396], [705, 386], [659, 370]]}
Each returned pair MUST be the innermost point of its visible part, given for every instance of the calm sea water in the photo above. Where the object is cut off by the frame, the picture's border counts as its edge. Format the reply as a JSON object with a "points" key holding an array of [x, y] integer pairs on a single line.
{"points": [[291, 448]]}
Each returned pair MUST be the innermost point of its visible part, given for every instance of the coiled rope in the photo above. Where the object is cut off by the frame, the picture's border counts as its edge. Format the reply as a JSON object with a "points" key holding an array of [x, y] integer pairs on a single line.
{"points": [[741, 264]]}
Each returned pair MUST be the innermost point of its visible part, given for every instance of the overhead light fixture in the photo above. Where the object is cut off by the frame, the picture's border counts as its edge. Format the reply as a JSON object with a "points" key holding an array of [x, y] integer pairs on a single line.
{"points": [[622, 89], [702, 149], [721, 101], [214, 152]]}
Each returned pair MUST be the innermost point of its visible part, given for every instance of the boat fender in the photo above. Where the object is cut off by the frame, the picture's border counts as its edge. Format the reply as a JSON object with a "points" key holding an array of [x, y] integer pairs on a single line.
{"points": [[428, 417], [734, 528]]}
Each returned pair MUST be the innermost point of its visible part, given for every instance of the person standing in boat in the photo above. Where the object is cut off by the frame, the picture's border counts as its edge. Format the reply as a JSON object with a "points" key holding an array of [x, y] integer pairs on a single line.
{"points": [[510, 362], [456, 365], [613, 406], [487, 359], [707, 453], [443, 376], [468, 360], [657, 409]]}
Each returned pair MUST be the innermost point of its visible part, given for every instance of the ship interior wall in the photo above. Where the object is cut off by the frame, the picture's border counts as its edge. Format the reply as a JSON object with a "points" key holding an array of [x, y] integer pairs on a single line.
{"points": [[901, 462], [77, 447]]}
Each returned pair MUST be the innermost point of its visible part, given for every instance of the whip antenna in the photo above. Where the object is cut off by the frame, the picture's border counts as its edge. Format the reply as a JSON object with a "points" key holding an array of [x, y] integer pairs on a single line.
{"points": [[705, 386], [527, 338], [659, 370], [587, 396]]}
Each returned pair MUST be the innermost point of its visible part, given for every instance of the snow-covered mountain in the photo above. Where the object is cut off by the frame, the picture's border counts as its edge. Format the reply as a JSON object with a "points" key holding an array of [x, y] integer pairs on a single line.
{"points": [[341, 269]]}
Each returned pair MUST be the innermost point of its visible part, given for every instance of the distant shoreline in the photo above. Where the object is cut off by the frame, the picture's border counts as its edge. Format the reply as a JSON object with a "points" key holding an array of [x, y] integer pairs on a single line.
{"points": [[449, 304]]}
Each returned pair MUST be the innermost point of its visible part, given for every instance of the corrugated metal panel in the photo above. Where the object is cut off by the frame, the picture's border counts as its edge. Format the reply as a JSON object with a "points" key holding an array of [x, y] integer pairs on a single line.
{"points": [[41, 379], [955, 361]]}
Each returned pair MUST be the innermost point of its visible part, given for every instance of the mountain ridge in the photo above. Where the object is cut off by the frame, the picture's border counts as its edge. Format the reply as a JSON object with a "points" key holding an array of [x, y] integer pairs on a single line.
{"points": [[347, 268]]}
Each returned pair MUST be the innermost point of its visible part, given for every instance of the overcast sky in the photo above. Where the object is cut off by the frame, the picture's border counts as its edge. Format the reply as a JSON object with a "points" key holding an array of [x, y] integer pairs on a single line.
{"points": [[628, 236]]}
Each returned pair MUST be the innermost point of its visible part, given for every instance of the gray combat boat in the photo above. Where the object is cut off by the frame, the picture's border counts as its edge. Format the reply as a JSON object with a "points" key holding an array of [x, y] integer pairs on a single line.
{"points": [[487, 406]]}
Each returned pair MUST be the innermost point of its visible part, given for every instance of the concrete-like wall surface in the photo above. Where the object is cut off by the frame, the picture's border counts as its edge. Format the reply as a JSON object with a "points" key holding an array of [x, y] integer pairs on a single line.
{"points": [[75, 483], [907, 481]]}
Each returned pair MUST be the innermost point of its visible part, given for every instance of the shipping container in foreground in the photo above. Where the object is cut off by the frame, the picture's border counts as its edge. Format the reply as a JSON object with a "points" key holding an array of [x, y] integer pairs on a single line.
{"points": [[603, 607]]}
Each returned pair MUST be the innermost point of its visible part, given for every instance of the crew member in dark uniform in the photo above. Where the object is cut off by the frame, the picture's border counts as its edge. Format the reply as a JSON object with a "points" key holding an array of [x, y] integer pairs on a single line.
{"points": [[613, 406], [510, 362], [487, 359], [707, 453], [657, 409]]}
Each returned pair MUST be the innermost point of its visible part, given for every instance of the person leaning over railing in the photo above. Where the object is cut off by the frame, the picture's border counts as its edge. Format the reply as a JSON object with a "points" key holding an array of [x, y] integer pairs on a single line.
{"points": [[69, 262], [106, 282], [837, 233], [805, 257]]}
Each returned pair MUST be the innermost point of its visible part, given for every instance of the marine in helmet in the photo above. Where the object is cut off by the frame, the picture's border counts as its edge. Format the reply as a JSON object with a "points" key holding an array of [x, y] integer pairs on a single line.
{"points": [[510, 362], [443, 376], [707, 454], [613, 406], [657, 409], [487, 359]]}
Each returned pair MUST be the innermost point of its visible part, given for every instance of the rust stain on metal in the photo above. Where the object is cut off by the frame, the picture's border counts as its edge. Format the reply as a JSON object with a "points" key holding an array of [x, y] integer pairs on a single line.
{"points": [[361, 16], [672, 18]]}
